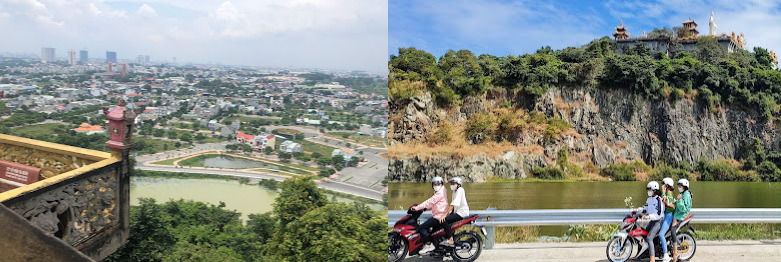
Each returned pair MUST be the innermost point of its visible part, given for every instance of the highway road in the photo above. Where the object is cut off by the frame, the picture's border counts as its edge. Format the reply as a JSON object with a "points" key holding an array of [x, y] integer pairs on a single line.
{"points": [[741, 250]]}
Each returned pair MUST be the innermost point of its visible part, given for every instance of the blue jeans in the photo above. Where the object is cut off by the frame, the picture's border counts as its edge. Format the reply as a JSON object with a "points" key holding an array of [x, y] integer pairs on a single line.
{"points": [[668, 220]]}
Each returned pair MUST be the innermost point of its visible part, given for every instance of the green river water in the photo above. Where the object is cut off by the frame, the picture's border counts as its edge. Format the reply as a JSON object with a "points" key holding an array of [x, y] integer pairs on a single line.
{"points": [[247, 199], [572, 195]]}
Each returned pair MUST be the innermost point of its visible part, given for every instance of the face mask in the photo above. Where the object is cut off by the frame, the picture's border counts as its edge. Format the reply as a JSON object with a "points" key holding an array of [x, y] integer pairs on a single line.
{"points": [[650, 193], [452, 187], [437, 188], [680, 189]]}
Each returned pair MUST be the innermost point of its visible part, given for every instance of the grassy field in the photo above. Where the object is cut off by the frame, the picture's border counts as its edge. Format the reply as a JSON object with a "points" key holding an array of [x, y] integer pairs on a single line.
{"points": [[310, 147], [592, 233], [315, 147], [287, 131], [39, 130], [152, 145], [168, 162], [372, 141], [291, 165]]}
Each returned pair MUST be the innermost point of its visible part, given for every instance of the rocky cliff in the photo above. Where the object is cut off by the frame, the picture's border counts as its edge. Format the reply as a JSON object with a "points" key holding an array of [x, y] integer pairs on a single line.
{"points": [[611, 125]]}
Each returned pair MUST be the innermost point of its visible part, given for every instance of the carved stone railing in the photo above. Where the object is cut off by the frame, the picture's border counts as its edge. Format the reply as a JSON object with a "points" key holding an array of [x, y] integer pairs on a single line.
{"points": [[82, 197]]}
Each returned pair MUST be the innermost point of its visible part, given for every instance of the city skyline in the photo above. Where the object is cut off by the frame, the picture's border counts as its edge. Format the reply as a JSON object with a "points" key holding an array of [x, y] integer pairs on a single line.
{"points": [[346, 34]]}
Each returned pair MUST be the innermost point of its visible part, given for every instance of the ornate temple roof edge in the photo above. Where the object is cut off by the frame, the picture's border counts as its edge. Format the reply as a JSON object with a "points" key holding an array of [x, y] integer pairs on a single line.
{"points": [[55, 148], [17, 192]]}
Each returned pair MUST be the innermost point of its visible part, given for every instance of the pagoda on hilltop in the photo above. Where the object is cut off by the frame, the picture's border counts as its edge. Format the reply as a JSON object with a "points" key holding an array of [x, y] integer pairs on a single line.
{"points": [[621, 33], [692, 27]]}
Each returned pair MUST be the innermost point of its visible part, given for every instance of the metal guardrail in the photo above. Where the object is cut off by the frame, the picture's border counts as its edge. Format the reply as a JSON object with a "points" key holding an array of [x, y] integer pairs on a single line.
{"points": [[555, 217]]}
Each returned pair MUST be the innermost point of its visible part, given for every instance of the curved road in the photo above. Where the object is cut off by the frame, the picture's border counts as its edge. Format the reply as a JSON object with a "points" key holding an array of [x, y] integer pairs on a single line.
{"points": [[740, 250]]}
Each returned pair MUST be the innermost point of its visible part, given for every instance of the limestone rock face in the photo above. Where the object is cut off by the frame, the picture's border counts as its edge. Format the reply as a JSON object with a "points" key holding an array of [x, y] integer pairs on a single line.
{"points": [[612, 126], [415, 120], [477, 168]]}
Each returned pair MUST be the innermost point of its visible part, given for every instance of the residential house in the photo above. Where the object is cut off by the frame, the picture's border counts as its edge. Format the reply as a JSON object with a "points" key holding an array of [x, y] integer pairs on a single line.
{"points": [[265, 139], [290, 147], [245, 139], [346, 153]]}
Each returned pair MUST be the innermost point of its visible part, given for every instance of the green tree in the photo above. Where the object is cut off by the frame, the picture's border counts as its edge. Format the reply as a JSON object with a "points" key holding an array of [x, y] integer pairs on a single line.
{"points": [[285, 156], [298, 196], [338, 160], [414, 64], [149, 237], [462, 73], [709, 50], [263, 225], [348, 231]]}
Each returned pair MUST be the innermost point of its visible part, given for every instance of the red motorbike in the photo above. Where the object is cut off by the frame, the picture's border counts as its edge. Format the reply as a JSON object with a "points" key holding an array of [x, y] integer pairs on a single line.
{"points": [[621, 246], [467, 244]]}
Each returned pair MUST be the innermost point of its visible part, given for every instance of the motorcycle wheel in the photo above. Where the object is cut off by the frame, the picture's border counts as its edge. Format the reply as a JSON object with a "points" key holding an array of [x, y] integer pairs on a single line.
{"points": [[397, 247], [615, 255], [468, 246], [687, 246]]}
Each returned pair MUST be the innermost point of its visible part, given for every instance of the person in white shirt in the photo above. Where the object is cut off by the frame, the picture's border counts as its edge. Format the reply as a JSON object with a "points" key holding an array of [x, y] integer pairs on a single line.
{"points": [[458, 209], [654, 212]]}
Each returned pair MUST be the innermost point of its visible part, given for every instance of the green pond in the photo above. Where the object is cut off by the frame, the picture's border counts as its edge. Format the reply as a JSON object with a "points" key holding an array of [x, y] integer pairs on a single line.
{"points": [[573, 195], [231, 162], [246, 199]]}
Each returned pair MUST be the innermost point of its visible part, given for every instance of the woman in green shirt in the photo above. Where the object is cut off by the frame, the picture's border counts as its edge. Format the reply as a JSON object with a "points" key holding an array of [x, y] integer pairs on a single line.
{"points": [[682, 208], [669, 206]]}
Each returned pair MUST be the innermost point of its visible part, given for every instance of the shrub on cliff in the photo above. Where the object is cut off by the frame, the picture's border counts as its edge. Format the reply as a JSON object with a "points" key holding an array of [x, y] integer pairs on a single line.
{"points": [[480, 127], [723, 170], [619, 172], [404, 90], [769, 172], [551, 173], [662, 170], [443, 134]]}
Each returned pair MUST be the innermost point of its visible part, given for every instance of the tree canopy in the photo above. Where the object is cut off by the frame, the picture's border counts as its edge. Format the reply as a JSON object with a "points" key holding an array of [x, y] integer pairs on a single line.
{"points": [[708, 73]]}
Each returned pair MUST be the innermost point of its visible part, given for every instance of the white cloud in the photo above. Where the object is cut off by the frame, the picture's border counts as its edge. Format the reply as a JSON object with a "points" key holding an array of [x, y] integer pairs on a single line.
{"points": [[146, 11]]}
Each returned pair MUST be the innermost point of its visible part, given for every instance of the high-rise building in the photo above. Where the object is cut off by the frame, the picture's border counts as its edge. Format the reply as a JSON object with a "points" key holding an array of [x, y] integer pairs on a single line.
{"points": [[47, 54], [140, 59], [111, 56], [83, 56], [124, 69], [146, 59], [72, 57]]}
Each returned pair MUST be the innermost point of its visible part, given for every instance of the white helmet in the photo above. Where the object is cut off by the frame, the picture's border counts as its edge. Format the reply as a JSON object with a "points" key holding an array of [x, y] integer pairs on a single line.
{"points": [[652, 185], [668, 181], [437, 180], [683, 182], [456, 180]]}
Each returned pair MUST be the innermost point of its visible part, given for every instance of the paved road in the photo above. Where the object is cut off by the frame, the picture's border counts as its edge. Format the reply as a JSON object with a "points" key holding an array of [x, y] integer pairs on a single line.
{"points": [[743, 250], [367, 175]]}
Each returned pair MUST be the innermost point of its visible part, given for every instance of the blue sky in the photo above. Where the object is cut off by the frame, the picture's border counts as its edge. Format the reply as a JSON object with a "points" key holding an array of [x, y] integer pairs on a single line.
{"points": [[333, 34], [517, 27]]}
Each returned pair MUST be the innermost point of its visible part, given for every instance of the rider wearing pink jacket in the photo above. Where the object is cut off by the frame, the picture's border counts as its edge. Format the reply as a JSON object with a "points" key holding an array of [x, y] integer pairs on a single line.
{"points": [[438, 206]]}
